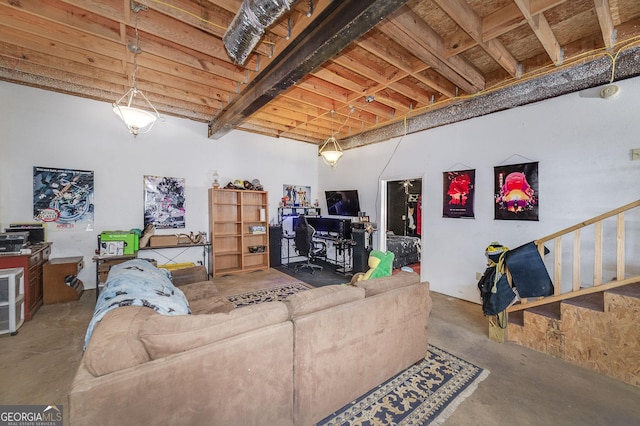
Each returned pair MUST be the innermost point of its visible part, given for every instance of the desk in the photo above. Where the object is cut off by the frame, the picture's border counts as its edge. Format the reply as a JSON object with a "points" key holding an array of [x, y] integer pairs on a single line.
{"points": [[342, 254], [206, 260], [105, 263], [54, 273], [342, 251]]}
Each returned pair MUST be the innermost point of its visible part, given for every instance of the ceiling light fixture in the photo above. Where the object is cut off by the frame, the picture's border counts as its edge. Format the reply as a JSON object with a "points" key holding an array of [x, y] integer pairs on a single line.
{"points": [[331, 151], [137, 120]]}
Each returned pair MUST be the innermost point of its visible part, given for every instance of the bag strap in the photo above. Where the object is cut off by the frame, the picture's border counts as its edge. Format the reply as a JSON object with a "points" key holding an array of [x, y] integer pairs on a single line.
{"points": [[500, 271]]}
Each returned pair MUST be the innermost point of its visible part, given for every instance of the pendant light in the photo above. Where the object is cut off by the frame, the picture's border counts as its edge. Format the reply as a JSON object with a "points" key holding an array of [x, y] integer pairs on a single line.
{"points": [[331, 151], [137, 120]]}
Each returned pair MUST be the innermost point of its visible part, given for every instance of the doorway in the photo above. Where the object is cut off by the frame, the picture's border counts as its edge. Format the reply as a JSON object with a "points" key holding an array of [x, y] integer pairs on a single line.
{"points": [[404, 207]]}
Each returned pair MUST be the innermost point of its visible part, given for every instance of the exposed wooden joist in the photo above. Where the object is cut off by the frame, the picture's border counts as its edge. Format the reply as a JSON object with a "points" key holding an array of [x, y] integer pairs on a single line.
{"points": [[340, 25], [606, 22], [468, 19], [413, 27], [542, 30]]}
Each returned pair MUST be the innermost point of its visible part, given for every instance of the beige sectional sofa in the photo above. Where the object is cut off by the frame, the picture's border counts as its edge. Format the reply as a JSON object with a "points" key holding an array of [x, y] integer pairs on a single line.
{"points": [[276, 363]]}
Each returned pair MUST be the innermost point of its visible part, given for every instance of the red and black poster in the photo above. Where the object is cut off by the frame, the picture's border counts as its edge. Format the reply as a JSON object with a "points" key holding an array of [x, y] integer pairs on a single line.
{"points": [[516, 191], [458, 192]]}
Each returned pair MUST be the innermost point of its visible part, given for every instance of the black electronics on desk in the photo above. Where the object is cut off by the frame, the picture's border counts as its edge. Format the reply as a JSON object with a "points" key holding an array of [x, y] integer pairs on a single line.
{"points": [[337, 228], [13, 242], [37, 232]]}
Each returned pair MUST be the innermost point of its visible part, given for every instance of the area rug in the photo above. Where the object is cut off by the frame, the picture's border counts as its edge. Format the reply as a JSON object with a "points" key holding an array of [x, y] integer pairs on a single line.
{"points": [[426, 393], [277, 293]]}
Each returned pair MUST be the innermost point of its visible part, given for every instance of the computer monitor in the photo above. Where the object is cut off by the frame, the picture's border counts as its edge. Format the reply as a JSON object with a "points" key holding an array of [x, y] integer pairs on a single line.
{"points": [[343, 203]]}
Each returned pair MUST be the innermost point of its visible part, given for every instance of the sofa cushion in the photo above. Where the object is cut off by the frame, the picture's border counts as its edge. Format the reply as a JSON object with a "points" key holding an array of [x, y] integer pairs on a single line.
{"points": [[380, 285], [163, 335], [211, 305], [199, 290], [115, 344], [316, 299], [183, 276]]}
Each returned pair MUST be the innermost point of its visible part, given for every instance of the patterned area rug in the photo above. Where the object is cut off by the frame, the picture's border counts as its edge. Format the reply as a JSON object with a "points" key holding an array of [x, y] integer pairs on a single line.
{"points": [[271, 294], [426, 393]]}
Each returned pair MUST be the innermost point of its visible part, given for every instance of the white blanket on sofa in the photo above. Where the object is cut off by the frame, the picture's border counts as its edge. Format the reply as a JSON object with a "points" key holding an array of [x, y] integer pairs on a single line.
{"points": [[138, 283]]}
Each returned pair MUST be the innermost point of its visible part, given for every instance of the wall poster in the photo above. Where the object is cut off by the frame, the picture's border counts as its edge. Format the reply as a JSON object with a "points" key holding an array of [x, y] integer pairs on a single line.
{"points": [[296, 195], [164, 202], [458, 193], [63, 197], [516, 191]]}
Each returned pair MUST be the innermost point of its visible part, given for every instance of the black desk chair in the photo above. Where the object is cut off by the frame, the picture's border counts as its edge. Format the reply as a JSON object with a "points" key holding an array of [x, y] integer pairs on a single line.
{"points": [[306, 246]]}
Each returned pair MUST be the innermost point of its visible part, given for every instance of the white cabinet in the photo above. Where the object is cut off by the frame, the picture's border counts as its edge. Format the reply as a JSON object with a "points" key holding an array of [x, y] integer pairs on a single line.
{"points": [[11, 300]]}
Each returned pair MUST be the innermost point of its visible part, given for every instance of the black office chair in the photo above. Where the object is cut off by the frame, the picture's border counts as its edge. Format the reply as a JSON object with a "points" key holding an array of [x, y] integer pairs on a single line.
{"points": [[306, 246]]}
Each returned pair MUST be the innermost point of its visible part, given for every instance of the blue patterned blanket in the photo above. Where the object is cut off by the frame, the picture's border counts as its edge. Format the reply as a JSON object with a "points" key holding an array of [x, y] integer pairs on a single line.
{"points": [[138, 283]]}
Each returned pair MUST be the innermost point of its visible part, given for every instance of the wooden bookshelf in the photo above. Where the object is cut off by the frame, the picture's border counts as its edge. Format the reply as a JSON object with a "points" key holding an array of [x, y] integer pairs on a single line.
{"points": [[238, 221]]}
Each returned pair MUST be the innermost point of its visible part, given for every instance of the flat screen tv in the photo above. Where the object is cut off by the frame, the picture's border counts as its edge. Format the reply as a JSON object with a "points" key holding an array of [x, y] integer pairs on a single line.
{"points": [[343, 203]]}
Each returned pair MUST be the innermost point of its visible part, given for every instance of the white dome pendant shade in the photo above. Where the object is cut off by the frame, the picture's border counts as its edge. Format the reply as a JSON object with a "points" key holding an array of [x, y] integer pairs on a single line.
{"points": [[331, 151], [137, 120]]}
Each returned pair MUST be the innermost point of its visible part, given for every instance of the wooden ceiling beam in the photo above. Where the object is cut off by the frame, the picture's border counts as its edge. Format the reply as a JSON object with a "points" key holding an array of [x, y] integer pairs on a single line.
{"points": [[398, 61], [338, 26], [469, 21], [16, 18], [496, 24], [357, 61], [410, 89], [542, 30], [418, 30], [538, 6], [342, 77], [394, 31], [606, 22]]}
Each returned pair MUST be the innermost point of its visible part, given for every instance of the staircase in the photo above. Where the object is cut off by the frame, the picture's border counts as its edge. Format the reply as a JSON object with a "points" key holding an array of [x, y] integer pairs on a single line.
{"points": [[594, 325]]}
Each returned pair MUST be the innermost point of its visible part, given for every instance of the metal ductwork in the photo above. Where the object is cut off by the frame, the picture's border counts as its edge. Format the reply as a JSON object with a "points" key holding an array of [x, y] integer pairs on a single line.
{"points": [[250, 23]]}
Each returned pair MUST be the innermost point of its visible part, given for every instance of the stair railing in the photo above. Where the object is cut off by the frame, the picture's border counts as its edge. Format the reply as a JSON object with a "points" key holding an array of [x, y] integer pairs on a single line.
{"points": [[598, 284]]}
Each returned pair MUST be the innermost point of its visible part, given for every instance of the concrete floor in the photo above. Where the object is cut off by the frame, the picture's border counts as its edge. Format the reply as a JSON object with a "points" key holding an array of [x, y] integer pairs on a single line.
{"points": [[524, 387]]}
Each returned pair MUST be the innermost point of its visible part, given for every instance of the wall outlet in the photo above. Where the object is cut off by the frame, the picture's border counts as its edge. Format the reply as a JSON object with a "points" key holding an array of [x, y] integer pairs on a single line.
{"points": [[635, 154]]}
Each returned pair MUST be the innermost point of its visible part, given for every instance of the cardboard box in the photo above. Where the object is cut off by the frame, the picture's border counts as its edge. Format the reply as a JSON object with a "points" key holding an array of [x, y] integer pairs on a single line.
{"points": [[163, 240]]}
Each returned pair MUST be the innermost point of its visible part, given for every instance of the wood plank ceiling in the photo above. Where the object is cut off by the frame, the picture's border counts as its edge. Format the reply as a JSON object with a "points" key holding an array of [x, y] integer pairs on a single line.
{"points": [[323, 68]]}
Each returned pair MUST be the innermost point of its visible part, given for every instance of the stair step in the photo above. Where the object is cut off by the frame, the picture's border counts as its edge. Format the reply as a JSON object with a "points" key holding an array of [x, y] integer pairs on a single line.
{"points": [[631, 290], [594, 301], [516, 318], [550, 310]]}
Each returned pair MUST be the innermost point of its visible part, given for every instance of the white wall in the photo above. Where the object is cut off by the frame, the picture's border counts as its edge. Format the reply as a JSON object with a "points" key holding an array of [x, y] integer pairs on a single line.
{"points": [[41, 128], [583, 148], [581, 143]]}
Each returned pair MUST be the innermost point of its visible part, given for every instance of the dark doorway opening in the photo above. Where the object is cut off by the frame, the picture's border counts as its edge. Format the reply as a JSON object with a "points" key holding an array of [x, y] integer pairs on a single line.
{"points": [[404, 206]]}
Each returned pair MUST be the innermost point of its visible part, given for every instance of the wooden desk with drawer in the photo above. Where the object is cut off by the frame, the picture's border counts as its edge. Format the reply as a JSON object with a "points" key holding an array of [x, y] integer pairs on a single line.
{"points": [[54, 273]]}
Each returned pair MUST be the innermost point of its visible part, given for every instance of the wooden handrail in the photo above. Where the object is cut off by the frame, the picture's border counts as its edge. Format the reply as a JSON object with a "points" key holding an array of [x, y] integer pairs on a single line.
{"points": [[598, 284], [589, 222]]}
